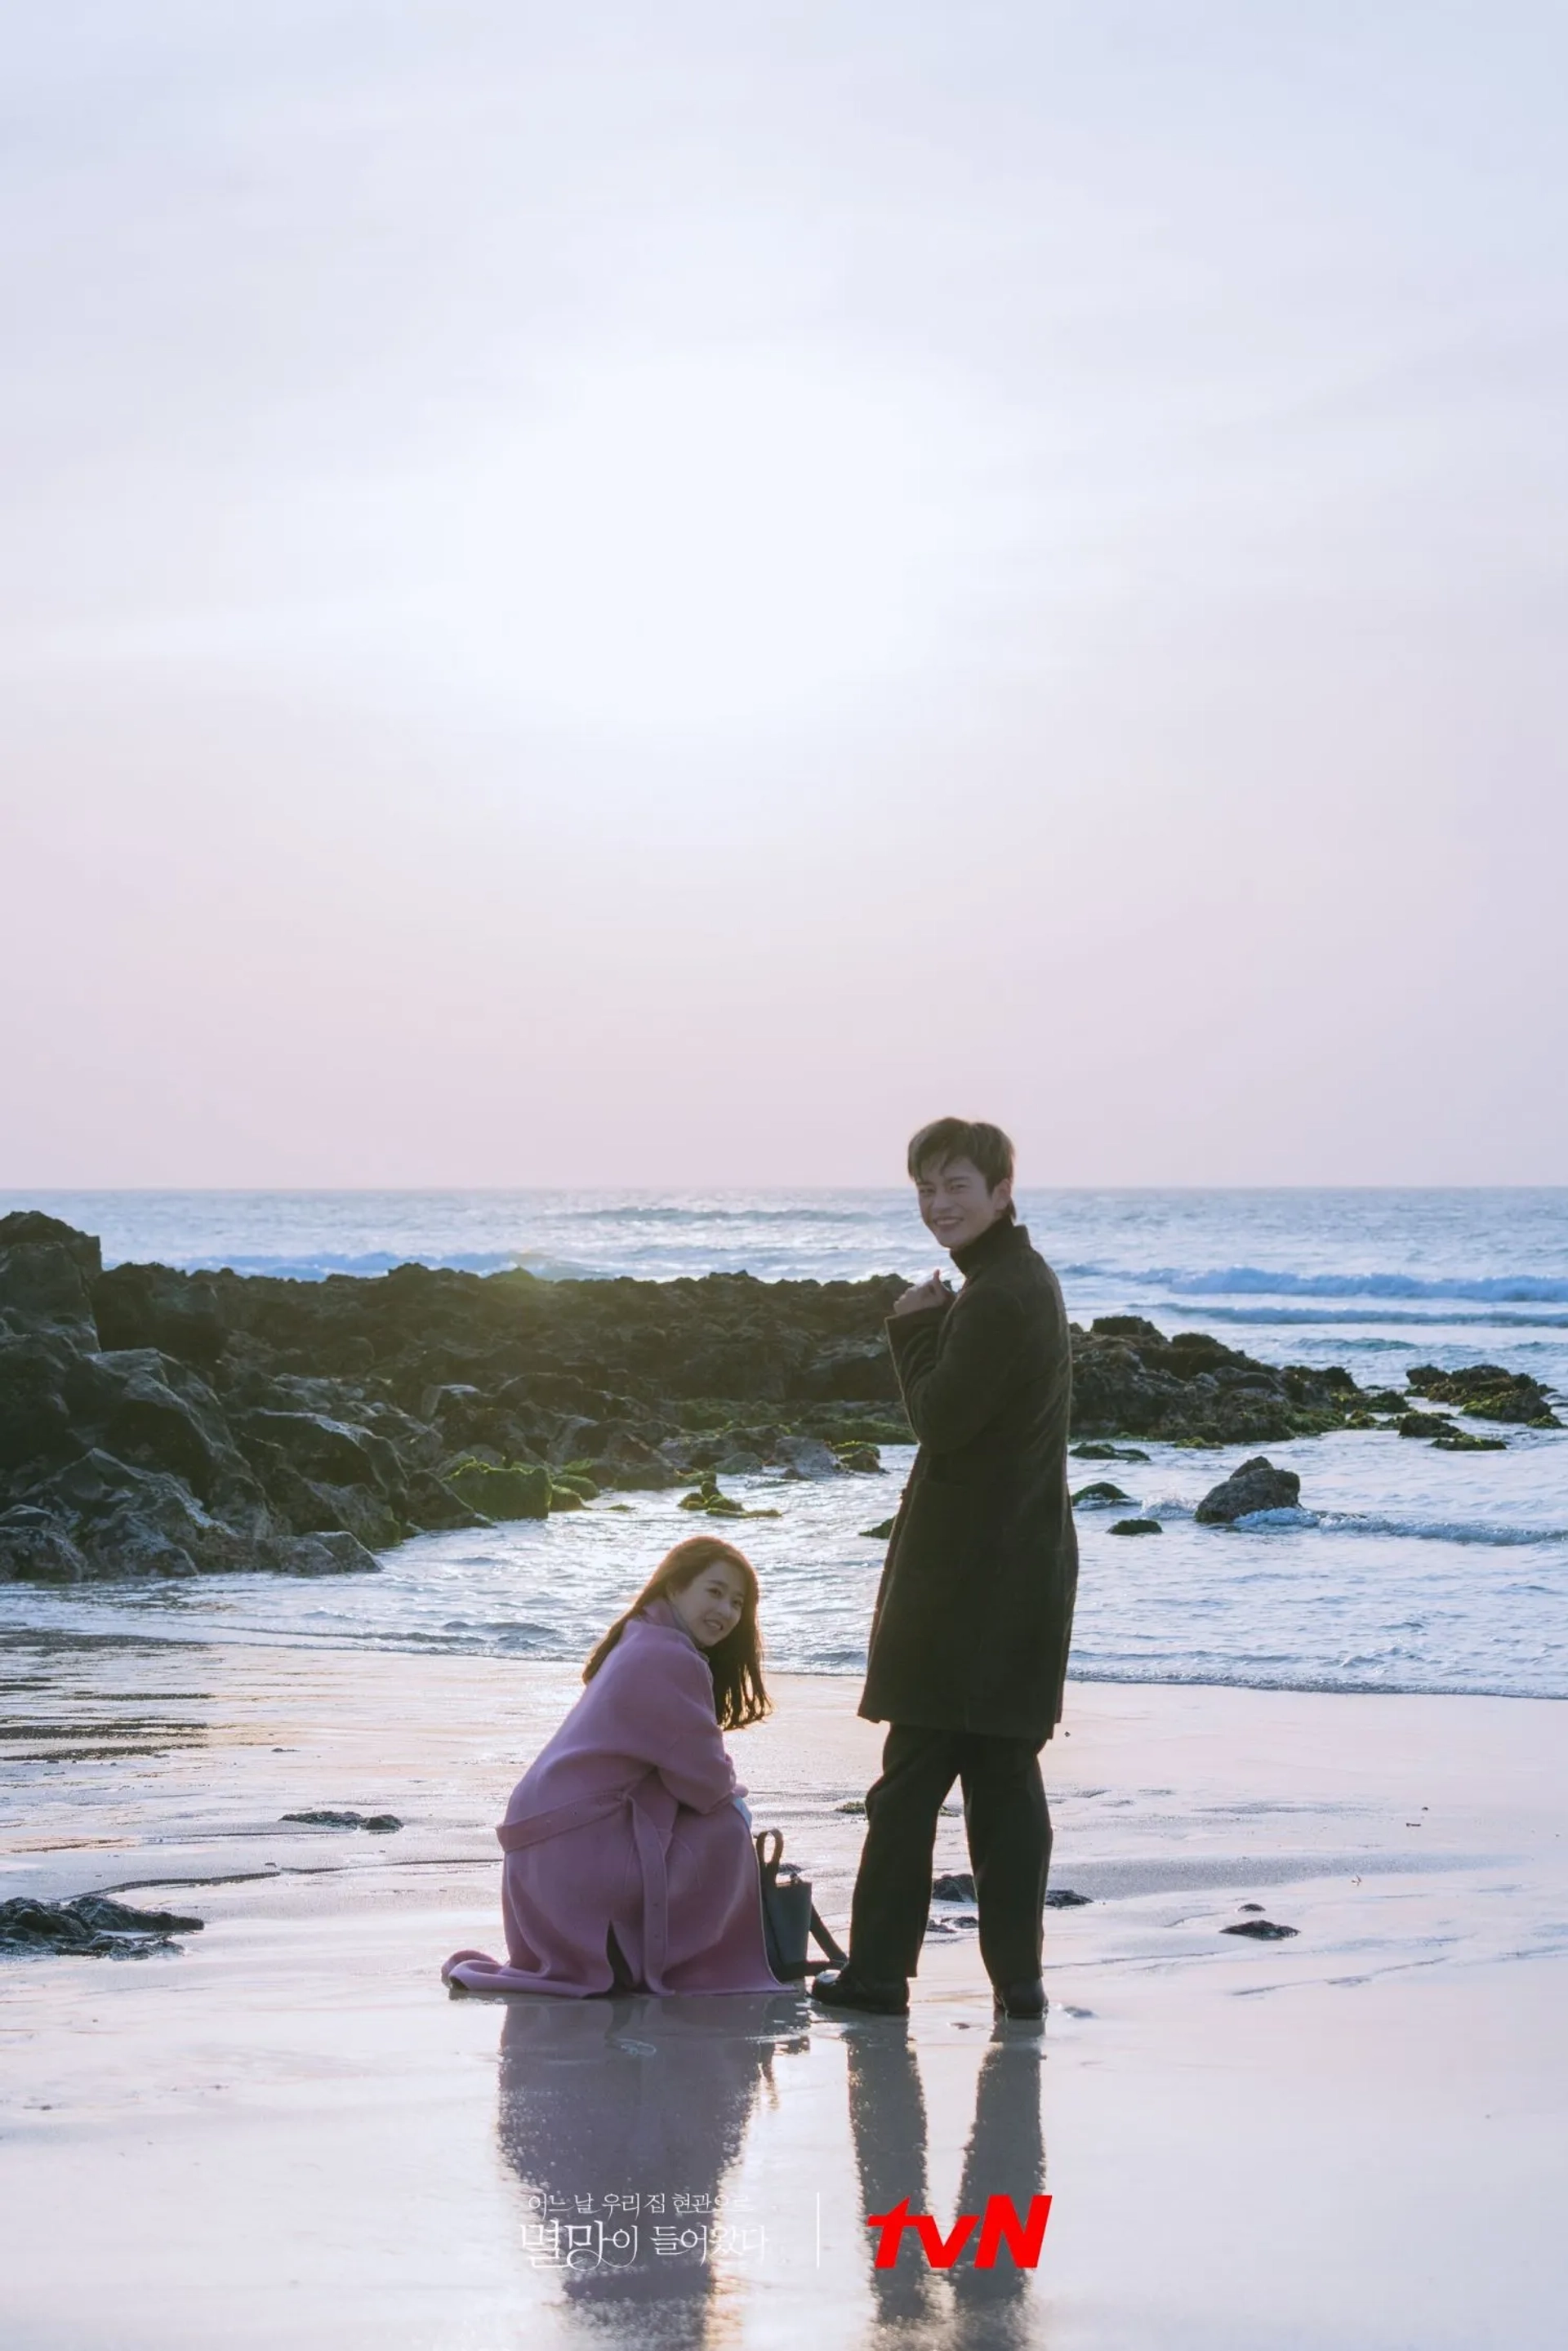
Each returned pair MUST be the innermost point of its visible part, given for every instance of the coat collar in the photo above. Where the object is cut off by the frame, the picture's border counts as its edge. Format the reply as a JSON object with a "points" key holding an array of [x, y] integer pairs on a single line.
{"points": [[997, 1241], [659, 1612]]}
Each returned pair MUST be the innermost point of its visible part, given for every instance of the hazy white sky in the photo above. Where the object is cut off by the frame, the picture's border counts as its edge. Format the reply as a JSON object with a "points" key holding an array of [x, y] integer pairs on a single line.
{"points": [[659, 593]]}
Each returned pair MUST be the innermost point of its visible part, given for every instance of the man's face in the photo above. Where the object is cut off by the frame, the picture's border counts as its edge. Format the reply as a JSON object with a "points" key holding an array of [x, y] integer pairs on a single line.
{"points": [[955, 1202]]}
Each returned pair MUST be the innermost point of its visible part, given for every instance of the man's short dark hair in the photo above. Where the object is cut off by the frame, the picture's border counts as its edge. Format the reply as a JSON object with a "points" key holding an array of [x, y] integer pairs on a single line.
{"points": [[985, 1146]]}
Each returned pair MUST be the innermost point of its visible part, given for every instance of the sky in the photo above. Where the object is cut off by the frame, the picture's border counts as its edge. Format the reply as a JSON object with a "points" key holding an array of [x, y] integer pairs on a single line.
{"points": [[627, 595]]}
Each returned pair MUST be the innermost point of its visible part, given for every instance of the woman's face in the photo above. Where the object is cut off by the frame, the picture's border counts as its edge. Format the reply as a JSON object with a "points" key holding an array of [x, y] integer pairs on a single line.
{"points": [[712, 1603]]}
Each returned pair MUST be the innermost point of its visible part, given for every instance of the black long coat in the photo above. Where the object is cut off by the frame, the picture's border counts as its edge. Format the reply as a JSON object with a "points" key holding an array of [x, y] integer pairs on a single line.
{"points": [[974, 1613]]}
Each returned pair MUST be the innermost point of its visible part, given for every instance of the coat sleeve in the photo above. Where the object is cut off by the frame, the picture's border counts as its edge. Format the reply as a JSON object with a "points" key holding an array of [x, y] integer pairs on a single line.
{"points": [[662, 1698], [952, 1390]]}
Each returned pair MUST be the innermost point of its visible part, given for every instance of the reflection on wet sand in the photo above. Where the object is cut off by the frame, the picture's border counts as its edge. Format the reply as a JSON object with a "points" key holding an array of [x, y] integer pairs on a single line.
{"points": [[95, 1698], [623, 2120], [965, 2306]]}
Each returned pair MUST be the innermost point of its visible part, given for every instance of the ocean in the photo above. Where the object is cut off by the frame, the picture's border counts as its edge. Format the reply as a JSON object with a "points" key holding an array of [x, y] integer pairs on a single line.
{"points": [[1424, 1571]]}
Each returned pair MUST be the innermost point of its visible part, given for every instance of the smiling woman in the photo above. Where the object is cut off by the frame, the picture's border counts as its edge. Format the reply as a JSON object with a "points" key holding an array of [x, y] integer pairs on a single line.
{"points": [[628, 1862]]}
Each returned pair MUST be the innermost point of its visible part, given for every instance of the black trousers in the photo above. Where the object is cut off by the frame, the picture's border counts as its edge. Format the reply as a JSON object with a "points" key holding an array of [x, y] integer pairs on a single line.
{"points": [[1008, 1823]]}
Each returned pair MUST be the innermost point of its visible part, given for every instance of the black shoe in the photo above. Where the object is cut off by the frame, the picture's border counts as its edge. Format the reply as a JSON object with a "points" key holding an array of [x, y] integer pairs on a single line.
{"points": [[1024, 2001], [875, 1995]]}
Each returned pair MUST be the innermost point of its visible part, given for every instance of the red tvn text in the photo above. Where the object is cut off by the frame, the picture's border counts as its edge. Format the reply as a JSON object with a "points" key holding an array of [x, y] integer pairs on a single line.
{"points": [[1023, 2238]]}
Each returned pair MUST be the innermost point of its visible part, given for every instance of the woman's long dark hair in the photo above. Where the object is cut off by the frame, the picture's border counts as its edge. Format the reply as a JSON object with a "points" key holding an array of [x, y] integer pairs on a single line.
{"points": [[735, 1662]]}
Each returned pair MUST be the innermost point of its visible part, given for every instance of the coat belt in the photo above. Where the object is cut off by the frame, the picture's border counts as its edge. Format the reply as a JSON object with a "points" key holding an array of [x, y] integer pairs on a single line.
{"points": [[515, 1836]]}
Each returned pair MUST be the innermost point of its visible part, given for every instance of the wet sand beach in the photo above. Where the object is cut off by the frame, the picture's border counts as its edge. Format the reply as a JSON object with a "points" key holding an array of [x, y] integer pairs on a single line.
{"points": [[289, 2131]]}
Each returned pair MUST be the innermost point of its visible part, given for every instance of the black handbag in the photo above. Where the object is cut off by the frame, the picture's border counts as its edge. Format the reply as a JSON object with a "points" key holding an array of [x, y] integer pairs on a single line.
{"points": [[789, 1919]]}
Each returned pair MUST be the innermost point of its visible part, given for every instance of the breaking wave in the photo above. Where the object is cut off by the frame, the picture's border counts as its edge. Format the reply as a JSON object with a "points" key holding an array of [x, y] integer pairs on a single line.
{"points": [[1251, 1281], [715, 1212], [319, 1265], [1445, 1530]]}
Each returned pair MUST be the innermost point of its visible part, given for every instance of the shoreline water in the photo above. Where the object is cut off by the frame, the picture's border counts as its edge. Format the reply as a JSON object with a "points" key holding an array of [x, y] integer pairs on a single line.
{"points": [[1412, 1567], [1454, 1580]]}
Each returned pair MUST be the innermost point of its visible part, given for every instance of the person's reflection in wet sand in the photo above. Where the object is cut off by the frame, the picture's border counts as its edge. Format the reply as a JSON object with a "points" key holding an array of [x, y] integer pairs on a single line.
{"points": [[1005, 2157], [641, 2098], [988, 2309], [887, 2119]]}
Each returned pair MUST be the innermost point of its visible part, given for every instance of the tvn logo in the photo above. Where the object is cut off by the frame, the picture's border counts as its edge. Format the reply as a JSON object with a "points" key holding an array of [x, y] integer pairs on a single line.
{"points": [[1023, 2238]]}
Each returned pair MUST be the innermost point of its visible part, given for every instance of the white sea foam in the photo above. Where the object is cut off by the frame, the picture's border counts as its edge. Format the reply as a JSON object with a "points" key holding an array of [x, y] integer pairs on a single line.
{"points": [[1498, 1534], [1243, 1280]]}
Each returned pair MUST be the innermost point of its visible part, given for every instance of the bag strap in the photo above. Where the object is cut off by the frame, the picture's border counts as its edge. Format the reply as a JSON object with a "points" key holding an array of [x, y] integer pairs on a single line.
{"points": [[825, 1943]]}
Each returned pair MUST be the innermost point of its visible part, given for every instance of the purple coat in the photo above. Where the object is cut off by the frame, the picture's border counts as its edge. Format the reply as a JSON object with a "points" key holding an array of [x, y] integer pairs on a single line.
{"points": [[628, 1818]]}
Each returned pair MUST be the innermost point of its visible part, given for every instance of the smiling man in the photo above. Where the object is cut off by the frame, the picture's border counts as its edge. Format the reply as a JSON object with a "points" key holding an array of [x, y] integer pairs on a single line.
{"points": [[968, 1641]]}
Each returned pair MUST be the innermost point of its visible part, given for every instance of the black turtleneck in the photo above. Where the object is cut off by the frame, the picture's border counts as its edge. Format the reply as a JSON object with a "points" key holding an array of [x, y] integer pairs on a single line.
{"points": [[994, 1243]]}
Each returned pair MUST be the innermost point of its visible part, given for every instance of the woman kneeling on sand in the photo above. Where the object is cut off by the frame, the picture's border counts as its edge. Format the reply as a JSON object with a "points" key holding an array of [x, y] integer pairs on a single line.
{"points": [[629, 1860]]}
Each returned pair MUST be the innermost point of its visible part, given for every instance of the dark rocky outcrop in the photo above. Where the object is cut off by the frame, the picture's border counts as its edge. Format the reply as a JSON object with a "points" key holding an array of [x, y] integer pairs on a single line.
{"points": [[1136, 1527], [861, 1456], [1128, 1380], [521, 1490], [378, 1824], [35, 1547], [714, 1504], [1487, 1391], [959, 1885], [44, 1287], [149, 1306], [91, 1927], [1256, 1486], [158, 1423], [808, 1456]]}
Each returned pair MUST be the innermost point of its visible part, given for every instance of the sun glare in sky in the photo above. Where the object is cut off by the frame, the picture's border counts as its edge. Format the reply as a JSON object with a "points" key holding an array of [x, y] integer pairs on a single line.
{"points": [[654, 597]]}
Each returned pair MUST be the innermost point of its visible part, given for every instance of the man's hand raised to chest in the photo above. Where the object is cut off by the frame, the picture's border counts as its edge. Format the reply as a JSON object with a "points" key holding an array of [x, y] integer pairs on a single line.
{"points": [[935, 1292]]}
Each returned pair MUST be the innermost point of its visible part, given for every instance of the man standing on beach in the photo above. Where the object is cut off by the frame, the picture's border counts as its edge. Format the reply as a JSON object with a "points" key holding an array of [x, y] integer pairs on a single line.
{"points": [[968, 1643]]}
